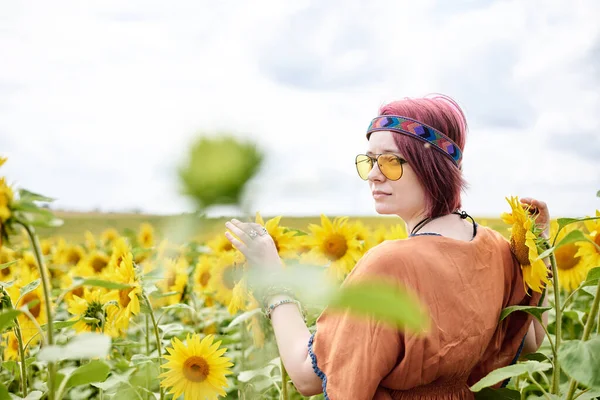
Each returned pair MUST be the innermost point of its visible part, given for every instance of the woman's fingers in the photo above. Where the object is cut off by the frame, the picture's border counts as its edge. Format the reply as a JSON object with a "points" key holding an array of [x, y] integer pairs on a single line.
{"points": [[237, 244], [237, 230]]}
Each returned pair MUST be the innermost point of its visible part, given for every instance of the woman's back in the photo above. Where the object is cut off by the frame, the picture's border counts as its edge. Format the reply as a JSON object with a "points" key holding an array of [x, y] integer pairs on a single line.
{"points": [[464, 285]]}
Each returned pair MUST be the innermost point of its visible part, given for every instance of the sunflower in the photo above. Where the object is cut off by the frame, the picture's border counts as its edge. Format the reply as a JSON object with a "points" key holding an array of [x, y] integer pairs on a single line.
{"points": [[196, 369], [227, 271], [523, 243], [145, 236], [363, 233], [219, 244], [590, 252], [202, 274], [7, 255], [335, 244], [28, 330], [572, 269], [128, 299], [93, 312], [108, 236], [34, 299], [284, 239], [254, 325], [10, 347], [6, 201], [68, 254], [175, 280], [82, 270], [98, 261], [239, 297], [47, 246], [90, 240]]}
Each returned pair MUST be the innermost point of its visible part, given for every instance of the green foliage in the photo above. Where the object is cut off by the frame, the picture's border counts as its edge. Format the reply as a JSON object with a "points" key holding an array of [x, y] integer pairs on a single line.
{"points": [[218, 169], [501, 374]]}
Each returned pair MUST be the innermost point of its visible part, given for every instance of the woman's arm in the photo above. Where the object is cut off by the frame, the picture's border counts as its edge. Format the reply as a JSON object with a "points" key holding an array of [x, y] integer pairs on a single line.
{"points": [[292, 337], [291, 332]]}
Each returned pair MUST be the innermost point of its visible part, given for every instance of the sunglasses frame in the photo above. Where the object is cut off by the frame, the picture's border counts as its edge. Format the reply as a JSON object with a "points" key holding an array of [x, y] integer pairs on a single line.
{"points": [[376, 160]]}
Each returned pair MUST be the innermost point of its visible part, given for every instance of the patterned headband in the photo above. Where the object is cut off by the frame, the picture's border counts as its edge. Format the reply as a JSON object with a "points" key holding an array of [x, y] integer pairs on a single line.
{"points": [[416, 129]]}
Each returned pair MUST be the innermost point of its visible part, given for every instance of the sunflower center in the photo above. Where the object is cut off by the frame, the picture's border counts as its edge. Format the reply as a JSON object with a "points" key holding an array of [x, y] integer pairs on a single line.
{"points": [[73, 257], [597, 238], [204, 278], [78, 292], [94, 310], [518, 246], [196, 369], [171, 278], [565, 257], [35, 309], [5, 271], [335, 247], [124, 298], [14, 344], [99, 263]]}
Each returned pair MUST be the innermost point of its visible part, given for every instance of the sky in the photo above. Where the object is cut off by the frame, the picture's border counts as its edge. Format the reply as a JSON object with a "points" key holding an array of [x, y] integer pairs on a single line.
{"points": [[100, 100]]}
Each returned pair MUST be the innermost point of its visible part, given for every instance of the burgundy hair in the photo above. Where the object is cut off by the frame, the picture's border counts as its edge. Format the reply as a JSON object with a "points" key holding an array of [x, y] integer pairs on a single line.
{"points": [[441, 179]]}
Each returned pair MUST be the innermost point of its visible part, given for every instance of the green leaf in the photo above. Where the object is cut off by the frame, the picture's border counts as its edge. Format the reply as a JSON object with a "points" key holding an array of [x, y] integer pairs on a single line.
{"points": [[94, 371], [105, 284], [179, 306], [575, 315], [562, 222], [246, 376], [598, 193], [3, 392], [541, 357], [384, 301], [158, 295], [30, 287], [27, 196], [546, 253], [60, 324], [137, 359], [572, 237], [34, 395], [581, 361], [504, 373], [8, 264], [498, 394], [243, 317], [7, 317], [83, 346], [592, 277], [533, 310]]}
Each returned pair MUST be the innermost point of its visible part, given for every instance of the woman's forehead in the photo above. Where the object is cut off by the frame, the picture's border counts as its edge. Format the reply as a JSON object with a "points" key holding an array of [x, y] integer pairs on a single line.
{"points": [[381, 142]]}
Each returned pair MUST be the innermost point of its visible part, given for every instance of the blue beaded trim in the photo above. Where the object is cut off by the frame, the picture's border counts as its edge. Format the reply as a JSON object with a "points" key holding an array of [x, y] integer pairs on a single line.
{"points": [[316, 368], [514, 361]]}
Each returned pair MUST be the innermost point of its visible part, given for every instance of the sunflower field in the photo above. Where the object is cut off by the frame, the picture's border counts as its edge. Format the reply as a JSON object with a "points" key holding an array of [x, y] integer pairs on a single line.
{"points": [[132, 314]]}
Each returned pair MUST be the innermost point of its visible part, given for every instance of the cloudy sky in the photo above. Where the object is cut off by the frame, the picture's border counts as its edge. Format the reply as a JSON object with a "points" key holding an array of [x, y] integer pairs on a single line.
{"points": [[99, 100]]}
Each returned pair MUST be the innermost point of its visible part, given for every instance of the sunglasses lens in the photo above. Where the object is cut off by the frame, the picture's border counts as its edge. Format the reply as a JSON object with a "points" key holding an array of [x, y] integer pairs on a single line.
{"points": [[364, 165], [390, 166]]}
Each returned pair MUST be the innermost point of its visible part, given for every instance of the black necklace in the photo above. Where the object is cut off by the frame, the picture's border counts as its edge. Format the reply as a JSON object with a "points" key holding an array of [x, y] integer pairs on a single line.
{"points": [[423, 222]]}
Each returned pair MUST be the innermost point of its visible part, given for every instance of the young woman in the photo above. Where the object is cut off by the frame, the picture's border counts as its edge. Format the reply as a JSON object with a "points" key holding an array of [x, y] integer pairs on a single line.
{"points": [[464, 273]]}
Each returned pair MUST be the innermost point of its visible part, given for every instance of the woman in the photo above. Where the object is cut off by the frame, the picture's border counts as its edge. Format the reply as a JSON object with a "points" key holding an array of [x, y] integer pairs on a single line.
{"points": [[464, 273]]}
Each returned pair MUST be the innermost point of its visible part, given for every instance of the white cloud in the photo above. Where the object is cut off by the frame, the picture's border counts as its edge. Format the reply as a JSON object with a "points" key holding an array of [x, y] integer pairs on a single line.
{"points": [[99, 100]]}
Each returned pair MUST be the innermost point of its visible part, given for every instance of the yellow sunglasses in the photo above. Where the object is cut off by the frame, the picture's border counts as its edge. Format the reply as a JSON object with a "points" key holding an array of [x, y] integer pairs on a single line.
{"points": [[389, 164]]}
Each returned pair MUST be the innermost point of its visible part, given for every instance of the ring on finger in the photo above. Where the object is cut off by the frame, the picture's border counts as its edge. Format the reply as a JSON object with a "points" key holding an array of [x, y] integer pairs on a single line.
{"points": [[252, 233]]}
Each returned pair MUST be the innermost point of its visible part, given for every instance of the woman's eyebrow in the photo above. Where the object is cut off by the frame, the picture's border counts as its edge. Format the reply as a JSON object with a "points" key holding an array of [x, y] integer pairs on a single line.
{"points": [[383, 151]]}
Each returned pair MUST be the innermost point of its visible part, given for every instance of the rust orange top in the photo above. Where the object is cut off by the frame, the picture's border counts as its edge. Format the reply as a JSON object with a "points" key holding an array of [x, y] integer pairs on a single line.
{"points": [[464, 286]]}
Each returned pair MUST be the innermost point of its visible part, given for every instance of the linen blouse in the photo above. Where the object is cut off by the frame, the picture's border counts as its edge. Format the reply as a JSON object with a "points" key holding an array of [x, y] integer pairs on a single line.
{"points": [[464, 285]]}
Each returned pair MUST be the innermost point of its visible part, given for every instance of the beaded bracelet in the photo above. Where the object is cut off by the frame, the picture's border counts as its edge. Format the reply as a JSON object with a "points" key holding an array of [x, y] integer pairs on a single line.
{"points": [[273, 306], [271, 291]]}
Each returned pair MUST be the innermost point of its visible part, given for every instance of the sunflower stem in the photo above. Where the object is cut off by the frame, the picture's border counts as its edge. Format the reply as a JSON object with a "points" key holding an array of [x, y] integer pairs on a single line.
{"points": [[35, 244], [148, 354], [587, 331], [157, 336], [558, 333], [284, 381], [22, 355]]}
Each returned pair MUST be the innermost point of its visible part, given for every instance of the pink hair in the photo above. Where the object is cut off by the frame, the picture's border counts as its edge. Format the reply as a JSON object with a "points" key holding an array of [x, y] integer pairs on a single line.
{"points": [[441, 179]]}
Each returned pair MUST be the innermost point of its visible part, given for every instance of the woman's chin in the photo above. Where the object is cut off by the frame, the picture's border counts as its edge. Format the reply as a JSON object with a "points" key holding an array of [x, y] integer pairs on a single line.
{"points": [[383, 209]]}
